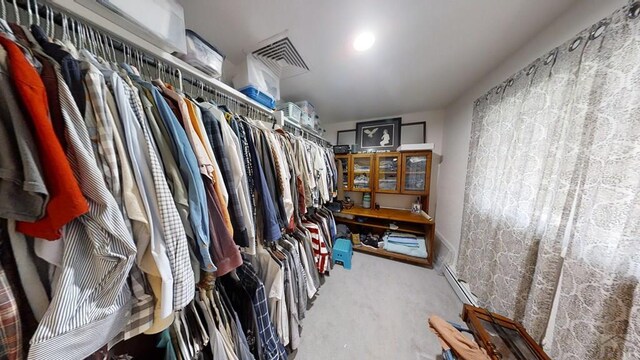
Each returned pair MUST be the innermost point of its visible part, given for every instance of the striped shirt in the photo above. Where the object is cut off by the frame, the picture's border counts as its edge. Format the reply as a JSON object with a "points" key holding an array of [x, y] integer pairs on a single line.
{"points": [[319, 246], [167, 220], [92, 299], [104, 144], [174, 234]]}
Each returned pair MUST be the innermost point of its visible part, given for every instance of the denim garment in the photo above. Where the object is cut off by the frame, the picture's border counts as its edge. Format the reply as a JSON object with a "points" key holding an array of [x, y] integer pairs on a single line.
{"points": [[271, 230], [190, 175]]}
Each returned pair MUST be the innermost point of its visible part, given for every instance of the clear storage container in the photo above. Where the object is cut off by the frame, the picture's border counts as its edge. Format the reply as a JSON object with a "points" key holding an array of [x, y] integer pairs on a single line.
{"points": [[291, 110], [307, 107], [202, 55], [253, 72]]}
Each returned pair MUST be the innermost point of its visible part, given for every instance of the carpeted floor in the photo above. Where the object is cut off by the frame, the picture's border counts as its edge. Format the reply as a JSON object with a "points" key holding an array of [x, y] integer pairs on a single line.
{"points": [[377, 310]]}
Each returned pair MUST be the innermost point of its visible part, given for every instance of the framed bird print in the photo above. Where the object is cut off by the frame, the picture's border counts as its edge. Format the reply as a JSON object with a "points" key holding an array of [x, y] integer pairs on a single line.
{"points": [[378, 135]]}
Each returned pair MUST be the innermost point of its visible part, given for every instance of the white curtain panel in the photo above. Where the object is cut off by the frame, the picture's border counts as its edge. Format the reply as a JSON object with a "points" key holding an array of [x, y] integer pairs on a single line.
{"points": [[552, 205]]}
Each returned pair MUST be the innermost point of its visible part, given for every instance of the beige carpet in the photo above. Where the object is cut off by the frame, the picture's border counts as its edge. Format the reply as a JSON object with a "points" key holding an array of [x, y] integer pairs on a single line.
{"points": [[377, 310]]}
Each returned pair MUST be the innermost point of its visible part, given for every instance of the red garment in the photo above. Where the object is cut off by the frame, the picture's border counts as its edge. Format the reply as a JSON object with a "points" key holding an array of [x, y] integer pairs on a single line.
{"points": [[319, 246], [66, 201]]}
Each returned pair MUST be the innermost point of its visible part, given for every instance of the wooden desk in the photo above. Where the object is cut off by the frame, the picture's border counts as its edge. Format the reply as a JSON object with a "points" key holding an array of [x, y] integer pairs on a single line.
{"points": [[406, 222]]}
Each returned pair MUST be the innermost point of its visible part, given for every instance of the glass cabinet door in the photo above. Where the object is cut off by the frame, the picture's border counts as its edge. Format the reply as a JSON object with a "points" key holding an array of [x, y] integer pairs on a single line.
{"points": [[387, 167], [361, 173], [415, 171], [345, 171]]}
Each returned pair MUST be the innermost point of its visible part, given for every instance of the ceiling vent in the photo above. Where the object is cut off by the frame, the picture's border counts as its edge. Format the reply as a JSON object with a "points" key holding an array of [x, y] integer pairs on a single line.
{"points": [[279, 54]]}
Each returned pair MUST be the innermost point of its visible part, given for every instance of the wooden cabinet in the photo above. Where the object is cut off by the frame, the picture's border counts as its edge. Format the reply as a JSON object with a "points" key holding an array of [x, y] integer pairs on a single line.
{"points": [[416, 173], [406, 173], [346, 171], [402, 173], [362, 173], [370, 220], [387, 179]]}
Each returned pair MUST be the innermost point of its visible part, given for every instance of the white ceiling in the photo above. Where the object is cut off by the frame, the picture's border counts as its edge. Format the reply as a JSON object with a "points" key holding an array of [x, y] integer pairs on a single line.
{"points": [[427, 52]]}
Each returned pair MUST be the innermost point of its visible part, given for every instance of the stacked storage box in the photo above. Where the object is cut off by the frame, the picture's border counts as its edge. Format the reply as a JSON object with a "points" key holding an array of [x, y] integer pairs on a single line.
{"points": [[257, 81], [202, 55], [308, 117]]}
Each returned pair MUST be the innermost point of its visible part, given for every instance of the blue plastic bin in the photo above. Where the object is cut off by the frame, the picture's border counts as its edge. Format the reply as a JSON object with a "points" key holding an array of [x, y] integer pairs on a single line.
{"points": [[259, 96]]}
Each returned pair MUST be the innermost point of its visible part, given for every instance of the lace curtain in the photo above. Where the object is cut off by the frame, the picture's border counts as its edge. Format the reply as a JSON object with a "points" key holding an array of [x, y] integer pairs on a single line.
{"points": [[551, 224]]}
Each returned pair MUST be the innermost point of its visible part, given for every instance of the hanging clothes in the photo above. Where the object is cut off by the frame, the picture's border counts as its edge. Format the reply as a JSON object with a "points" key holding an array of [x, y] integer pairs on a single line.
{"points": [[144, 186]]}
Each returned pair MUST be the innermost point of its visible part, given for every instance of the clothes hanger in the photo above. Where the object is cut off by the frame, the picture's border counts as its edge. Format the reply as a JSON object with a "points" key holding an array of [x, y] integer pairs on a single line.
{"points": [[86, 44], [87, 37], [113, 50], [48, 14], [37, 11], [179, 73], [101, 41], [17, 13], [29, 12], [78, 31], [65, 29], [53, 24], [94, 42], [143, 66]]}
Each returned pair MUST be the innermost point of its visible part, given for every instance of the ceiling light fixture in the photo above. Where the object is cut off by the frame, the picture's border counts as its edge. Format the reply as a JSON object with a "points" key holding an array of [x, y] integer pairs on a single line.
{"points": [[364, 41]]}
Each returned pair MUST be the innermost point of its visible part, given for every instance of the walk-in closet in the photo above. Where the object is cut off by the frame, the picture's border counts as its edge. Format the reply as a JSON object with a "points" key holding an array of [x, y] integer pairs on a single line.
{"points": [[319, 180]]}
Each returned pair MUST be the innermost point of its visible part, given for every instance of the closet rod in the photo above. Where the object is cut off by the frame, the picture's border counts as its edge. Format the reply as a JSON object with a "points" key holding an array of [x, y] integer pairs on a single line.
{"points": [[307, 133], [195, 76]]}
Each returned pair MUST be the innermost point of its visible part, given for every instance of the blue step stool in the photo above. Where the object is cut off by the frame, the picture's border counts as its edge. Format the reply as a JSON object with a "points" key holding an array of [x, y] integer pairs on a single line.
{"points": [[342, 252]]}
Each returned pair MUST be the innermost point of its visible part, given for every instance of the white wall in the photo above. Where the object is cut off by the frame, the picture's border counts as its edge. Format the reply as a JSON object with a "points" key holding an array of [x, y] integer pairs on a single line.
{"points": [[457, 123], [433, 120]]}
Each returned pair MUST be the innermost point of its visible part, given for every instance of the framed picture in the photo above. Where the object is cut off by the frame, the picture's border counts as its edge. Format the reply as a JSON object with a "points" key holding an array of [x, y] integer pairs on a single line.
{"points": [[346, 137], [413, 133], [378, 135]]}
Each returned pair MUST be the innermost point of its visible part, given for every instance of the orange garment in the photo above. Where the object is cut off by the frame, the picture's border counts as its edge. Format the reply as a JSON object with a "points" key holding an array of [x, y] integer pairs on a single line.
{"points": [[66, 201], [207, 146], [450, 338]]}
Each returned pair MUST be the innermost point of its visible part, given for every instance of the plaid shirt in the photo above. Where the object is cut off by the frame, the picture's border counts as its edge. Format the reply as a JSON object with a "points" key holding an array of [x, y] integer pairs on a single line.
{"points": [[10, 325], [272, 348], [213, 130], [191, 175], [92, 297], [96, 114], [174, 235], [142, 313]]}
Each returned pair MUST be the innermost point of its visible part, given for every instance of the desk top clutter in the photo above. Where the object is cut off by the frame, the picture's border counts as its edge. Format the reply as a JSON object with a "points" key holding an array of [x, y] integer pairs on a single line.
{"points": [[368, 226]]}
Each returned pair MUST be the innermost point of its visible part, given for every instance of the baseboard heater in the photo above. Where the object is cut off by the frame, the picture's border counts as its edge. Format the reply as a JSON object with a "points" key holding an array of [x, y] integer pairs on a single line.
{"points": [[459, 287]]}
